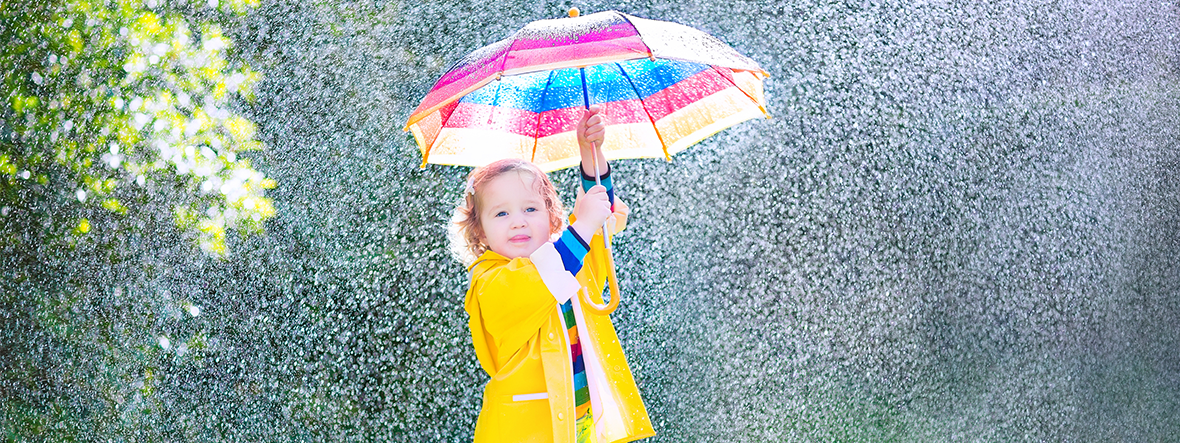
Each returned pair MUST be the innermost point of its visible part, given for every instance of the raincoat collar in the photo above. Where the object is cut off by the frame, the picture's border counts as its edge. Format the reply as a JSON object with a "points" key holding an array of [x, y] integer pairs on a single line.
{"points": [[487, 256]]}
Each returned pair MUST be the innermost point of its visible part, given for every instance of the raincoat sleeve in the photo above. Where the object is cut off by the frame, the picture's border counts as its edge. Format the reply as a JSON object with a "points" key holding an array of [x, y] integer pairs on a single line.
{"points": [[513, 303], [596, 261], [616, 222]]}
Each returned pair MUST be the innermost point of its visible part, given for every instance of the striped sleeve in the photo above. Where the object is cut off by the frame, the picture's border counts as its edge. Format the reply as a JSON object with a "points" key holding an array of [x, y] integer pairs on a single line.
{"points": [[572, 250], [588, 182], [558, 264]]}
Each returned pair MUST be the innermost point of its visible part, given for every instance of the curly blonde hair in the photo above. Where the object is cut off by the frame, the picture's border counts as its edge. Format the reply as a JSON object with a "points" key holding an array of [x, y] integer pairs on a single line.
{"points": [[467, 237]]}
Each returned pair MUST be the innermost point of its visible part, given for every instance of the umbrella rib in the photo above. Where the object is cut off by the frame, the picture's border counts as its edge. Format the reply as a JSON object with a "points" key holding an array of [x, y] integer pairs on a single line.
{"points": [[495, 101], [503, 61], [650, 54], [443, 125], [663, 144], [537, 129], [438, 137], [762, 108], [504, 58]]}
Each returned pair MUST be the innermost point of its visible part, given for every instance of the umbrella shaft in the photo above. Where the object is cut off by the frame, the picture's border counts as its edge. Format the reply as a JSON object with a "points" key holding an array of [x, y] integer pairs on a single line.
{"points": [[598, 181], [612, 279]]}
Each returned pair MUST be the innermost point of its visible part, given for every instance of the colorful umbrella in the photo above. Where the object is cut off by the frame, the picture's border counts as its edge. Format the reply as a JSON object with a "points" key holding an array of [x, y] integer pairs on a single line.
{"points": [[661, 87]]}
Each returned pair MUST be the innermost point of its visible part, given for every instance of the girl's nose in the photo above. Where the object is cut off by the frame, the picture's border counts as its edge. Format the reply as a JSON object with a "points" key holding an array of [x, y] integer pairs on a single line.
{"points": [[519, 221]]}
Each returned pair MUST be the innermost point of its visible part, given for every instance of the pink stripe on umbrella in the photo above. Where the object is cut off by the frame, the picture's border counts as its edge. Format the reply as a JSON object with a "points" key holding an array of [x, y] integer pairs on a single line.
{"points": [[558, 121], [479, 116], [621, 30], [452, 91], [616, 113], [684, 93], [629, 47]]}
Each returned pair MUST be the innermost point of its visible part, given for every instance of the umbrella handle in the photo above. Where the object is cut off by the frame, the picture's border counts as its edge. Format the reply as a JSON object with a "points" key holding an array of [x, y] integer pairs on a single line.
{"points": [[613, 282], [611, 278]]}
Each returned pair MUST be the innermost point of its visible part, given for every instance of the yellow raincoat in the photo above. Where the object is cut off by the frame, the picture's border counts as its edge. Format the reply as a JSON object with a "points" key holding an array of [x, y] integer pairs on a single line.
{"points": [[520, 340]]}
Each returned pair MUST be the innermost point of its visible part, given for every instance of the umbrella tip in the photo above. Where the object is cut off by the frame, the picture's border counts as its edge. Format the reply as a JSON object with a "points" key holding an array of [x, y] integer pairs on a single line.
{"points": [[574, 12]]}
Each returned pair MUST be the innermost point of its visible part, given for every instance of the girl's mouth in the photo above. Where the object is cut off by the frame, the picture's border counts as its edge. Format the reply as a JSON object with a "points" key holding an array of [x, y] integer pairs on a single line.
{"points": [[519, 239]]}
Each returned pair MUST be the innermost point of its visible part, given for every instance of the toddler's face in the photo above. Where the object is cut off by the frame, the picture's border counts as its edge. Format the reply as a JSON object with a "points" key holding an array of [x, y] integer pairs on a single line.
{"points": [[513, 215]]}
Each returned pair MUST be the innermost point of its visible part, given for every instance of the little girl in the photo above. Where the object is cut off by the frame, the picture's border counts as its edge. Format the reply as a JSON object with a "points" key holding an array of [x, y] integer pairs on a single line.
{"points": [[557, 370]]}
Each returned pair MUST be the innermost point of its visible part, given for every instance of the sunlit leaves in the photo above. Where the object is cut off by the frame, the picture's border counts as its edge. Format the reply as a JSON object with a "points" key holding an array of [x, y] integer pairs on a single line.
{"points": [[121, 95], [83, 227]]}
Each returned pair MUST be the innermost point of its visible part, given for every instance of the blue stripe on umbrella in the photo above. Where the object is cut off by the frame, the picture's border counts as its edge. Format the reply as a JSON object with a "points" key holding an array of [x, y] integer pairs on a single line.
{"points": [[608, 83]]}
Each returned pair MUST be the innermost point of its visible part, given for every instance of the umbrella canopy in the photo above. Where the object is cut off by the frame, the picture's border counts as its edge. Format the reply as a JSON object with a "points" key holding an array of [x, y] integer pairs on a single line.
{"points": [[661, 86]]}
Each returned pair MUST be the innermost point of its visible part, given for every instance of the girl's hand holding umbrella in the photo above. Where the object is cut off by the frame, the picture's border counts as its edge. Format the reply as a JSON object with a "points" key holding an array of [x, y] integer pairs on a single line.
{"points": [[591, 133], [590, 211]]}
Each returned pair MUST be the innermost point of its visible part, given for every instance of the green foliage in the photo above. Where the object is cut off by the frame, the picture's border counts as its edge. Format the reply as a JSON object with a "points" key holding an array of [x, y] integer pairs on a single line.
{"points": [[106, 95], [117, 126]]}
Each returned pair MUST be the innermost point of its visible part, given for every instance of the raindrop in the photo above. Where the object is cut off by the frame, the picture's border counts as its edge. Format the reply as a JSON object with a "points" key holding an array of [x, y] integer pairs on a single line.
{"points": [[139, 120], [214, 44]]}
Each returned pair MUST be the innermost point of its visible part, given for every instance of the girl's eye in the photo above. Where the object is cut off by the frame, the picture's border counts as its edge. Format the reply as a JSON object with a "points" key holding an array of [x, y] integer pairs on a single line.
{"points": [[501, 213], [530, 210]]}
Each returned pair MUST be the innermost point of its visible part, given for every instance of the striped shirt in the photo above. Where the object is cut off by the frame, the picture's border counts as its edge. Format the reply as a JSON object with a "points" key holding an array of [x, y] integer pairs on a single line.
{"points": [[573, 249]]}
